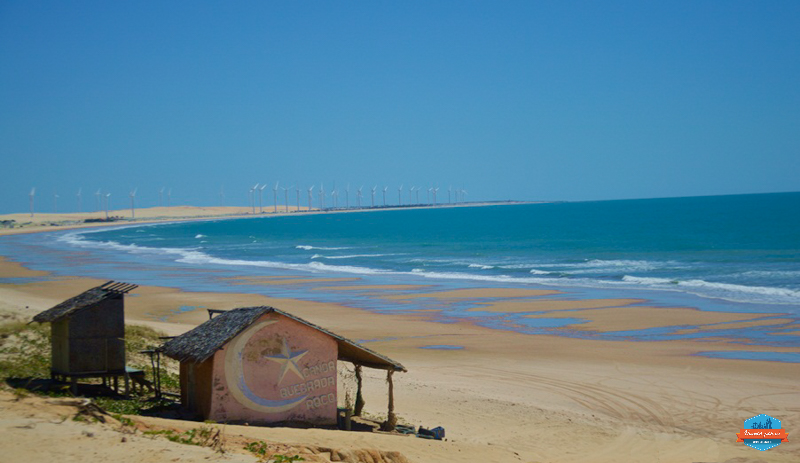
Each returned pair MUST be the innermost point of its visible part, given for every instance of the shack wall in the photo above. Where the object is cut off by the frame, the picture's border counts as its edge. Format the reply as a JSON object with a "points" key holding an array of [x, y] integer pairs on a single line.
{"points": [[59, 346], [196, 386], [90, 341], [277, 370]]}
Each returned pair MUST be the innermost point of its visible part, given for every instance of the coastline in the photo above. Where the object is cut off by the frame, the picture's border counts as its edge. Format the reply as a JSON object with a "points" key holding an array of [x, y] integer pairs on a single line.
{"points": [[43, 222], [505, 396]]}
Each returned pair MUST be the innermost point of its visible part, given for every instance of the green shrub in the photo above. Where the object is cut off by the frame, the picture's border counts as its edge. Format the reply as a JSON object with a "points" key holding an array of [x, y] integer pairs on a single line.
{"points": [[261, 450], [204, 436]]}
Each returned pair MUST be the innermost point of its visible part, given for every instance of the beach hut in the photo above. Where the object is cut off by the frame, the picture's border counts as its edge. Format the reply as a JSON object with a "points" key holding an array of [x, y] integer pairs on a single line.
{"points": [[262, 365], [88, 335]]}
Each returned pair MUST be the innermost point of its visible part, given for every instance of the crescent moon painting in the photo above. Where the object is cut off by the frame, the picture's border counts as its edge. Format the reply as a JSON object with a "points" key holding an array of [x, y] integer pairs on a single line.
{"points": [[237, 384]]}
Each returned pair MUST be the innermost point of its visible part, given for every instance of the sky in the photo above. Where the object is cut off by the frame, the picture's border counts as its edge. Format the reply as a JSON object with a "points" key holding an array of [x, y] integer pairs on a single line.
{"points": [[528, 100]]}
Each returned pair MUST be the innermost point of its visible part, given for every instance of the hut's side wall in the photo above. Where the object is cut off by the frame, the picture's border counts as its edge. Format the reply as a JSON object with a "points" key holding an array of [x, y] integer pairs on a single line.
{"points": [[277, 370], [97, 338], [59, 339], [196, 386]]}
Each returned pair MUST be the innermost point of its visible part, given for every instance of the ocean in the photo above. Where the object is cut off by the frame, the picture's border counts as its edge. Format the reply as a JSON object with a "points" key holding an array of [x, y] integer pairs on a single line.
{"points": [[736, 253]]}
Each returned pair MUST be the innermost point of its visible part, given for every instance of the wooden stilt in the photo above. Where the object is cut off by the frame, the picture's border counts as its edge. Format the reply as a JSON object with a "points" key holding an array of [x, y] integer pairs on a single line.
{"points": [[158, 374], [391, 419], [359, 398]]}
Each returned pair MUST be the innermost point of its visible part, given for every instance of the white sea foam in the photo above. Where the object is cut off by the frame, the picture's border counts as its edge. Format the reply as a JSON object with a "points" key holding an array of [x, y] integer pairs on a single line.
{"points": [[321, 248], [353, 256], [198, 236], [482, 267], [519, 266], [722, 290]]}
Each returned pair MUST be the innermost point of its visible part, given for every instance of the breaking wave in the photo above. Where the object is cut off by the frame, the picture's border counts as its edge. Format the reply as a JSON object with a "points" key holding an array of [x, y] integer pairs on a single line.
{"points": [[596, 273], [321, 248]]}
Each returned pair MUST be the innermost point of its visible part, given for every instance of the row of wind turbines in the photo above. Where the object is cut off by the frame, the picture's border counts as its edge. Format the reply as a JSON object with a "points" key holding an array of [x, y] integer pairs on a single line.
{"points": [[102, 200], [454, 195]]}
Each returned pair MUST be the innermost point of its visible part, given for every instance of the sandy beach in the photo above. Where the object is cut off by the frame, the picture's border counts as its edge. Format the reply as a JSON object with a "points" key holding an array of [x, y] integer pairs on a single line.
{"points": [[502, 396]]}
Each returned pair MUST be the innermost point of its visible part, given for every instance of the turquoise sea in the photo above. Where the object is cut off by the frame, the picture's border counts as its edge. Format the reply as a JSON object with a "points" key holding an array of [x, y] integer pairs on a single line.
{"points": [[731, 253]]}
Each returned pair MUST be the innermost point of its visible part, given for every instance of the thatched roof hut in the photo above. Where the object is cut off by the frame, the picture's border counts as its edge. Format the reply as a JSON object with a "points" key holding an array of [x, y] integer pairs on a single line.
{"points": [[261, 364]]}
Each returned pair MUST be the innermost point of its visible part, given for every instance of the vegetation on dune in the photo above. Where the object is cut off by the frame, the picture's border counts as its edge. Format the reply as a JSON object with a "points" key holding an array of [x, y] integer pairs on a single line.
{"points": [[25, 365], [24, 350]]}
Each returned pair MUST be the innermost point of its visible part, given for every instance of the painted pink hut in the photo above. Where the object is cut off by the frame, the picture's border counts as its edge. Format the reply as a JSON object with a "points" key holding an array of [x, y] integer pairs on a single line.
{"points": [[263, 365]]}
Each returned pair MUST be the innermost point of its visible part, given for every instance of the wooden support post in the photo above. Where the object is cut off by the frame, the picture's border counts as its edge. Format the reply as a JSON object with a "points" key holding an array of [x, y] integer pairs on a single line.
{"points": [[158, 369], [391, 419], [359, 397]]}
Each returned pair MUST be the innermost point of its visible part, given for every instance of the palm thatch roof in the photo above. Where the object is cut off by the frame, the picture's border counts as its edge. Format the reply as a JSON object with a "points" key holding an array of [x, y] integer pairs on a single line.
{"points": [[83, 301], [199, 344]]}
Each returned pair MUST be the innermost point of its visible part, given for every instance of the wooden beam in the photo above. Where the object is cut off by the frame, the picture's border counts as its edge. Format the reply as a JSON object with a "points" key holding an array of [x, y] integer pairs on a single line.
{"points": [[359, 398], [391, 419]]}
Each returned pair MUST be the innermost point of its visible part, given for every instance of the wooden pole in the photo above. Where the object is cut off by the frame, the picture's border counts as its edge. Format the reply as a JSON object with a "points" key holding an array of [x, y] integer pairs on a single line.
{"points": [[391, 419], [359, 397]]}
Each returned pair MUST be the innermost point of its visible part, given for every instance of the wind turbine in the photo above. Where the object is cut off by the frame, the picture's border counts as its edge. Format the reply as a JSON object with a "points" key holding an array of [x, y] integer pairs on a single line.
{"points": [[410, 193], [252, 194], [358, 195], [108, 202], [400, 195], [169, 196], [321, 196], [97, 200], [384, 195], [449, 189], [286, 197], [418, 188], [373, 195], [80, 202], [275, 195], [161, 197], [261, 198], [310, 195], [434, 195], [132, 194], [30, 197], [347, 196], [298, 196]]}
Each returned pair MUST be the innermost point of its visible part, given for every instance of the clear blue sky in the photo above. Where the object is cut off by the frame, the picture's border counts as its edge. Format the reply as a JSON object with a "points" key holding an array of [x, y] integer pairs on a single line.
{"points": [[511, 100]]}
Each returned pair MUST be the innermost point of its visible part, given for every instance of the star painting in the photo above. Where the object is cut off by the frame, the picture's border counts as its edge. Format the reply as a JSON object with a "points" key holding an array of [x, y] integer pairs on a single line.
{"points": [[288, 359]]}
